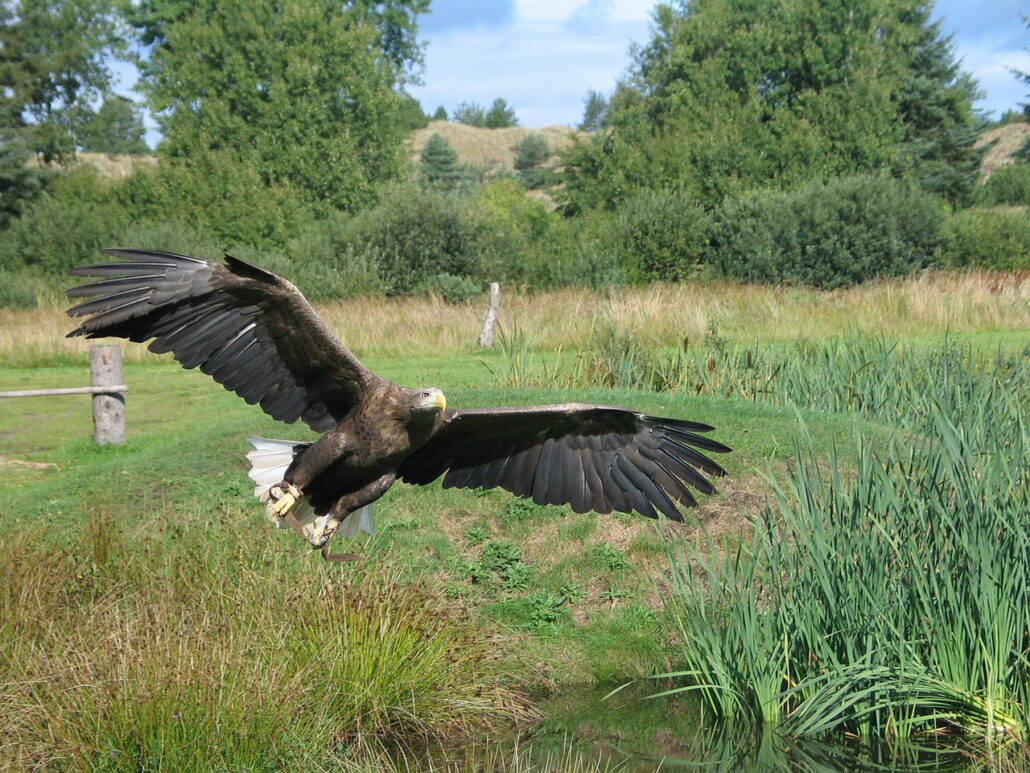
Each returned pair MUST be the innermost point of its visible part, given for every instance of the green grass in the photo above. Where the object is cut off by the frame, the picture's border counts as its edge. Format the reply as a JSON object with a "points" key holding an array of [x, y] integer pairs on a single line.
{"points": [[149, 584]]}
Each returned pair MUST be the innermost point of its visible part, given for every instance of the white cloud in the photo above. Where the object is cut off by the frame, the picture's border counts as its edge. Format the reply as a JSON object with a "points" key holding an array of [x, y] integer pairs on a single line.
{"points": [[545, 10], [538, 64]]}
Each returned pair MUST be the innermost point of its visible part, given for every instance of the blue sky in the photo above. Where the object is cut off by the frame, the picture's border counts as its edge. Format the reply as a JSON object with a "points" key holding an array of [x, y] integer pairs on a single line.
{"points": [[544, 55]]}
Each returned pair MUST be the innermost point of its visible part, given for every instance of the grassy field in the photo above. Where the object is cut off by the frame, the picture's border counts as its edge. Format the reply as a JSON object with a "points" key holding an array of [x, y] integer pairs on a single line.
{"points": [[152, 619]]}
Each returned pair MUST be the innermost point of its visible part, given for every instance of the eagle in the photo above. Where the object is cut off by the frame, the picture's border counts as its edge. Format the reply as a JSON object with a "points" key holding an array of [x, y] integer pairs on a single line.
{"points": [[255, 334]]}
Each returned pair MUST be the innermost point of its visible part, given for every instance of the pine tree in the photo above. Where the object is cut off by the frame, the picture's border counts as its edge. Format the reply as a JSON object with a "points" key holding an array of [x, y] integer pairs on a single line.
{"points": [[470, 114], [595, 112], [439, 163], [501, 115], [530, 152], [117, 127]]}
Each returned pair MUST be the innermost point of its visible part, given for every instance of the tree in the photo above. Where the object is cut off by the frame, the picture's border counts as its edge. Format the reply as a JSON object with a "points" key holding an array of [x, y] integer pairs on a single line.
{"points": [[306, 91], [936, 108], [20, 181], [530, 152], [470, 114], [55, 62], [117, 127], [595, 112], [411, 114], [440, 114], [440, 167], [735, 94], [501, 115]]}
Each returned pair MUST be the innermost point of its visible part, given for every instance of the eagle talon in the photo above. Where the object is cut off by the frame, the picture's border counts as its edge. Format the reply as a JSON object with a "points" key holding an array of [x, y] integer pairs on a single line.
{"points": [[287, 498], [321, 538]]}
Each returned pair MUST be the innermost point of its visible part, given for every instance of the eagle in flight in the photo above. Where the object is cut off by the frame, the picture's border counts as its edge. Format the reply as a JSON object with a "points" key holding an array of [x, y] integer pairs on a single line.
{"points": [[255, 333]]}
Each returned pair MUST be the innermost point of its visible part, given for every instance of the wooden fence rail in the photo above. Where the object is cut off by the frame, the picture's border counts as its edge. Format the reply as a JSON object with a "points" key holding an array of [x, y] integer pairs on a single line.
{"points": [[108, 390]]}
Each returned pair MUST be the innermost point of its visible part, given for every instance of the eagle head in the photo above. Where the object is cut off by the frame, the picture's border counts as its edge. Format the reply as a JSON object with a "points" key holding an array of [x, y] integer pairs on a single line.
{"points": [[428, 400]]}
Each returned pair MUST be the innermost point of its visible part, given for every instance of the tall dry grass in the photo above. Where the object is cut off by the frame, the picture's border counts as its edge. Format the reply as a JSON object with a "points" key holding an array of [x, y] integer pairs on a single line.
{"points": [[655, 315], [205, 652]]}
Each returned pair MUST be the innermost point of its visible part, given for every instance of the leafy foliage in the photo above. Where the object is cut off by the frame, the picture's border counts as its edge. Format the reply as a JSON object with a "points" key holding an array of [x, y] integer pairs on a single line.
{"points": [[64, 227], [415, 234], [661, 235], [1008, 185], [997, 238], [20, 181], [117, 127], [595, 112], [470, 114], [500, 115], [301, 92], [730, 96], [55, 62], [220, 193], [830, 234]]}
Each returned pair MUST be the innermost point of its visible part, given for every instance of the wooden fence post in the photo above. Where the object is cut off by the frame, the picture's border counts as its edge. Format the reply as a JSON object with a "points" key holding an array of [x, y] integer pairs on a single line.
{"points": [[105, 367], [486, 338]]}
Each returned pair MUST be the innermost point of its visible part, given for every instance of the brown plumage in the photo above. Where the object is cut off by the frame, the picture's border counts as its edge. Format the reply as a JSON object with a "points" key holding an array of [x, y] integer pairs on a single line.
{"points": [[255, 334]]}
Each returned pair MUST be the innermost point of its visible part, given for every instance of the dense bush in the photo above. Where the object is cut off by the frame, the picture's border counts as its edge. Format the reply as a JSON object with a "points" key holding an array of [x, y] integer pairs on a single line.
{"points": [[831, 234], [661, 235], [988, 238], [413, 234], [1008, 185], [215, 194], [65, 226]]}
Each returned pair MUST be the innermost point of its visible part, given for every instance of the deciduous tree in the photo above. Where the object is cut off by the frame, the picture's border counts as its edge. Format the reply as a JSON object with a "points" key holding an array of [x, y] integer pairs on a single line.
{"points": [[306, 90]]}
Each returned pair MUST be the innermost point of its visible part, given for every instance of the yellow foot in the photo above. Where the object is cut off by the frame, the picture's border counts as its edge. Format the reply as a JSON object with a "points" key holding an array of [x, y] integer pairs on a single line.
{"points": [[285, 503]]}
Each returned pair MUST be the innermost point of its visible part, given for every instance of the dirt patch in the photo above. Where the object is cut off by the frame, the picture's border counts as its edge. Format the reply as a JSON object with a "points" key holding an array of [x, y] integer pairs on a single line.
{"points": [[6, 461]]}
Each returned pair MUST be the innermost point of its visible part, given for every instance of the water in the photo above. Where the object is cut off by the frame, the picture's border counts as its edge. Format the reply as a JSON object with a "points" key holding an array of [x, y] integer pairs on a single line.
{"points": [[634, 733]]}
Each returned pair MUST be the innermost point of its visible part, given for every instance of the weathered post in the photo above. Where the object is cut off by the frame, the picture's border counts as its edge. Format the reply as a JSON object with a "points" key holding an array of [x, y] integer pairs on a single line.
{"points": [[105, 367], [486, 338]]}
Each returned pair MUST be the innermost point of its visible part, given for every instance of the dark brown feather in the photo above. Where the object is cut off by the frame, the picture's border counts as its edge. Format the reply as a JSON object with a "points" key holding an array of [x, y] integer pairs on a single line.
{"points": [[252, 331], [586, 456]]}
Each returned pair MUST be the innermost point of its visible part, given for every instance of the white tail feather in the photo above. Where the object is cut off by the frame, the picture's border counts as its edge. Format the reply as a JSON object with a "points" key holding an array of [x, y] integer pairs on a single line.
{"points": [[269, 461]]}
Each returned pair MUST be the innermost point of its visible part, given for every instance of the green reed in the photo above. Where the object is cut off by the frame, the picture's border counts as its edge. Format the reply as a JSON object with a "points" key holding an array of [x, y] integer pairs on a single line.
{"points": [[890, 599]]}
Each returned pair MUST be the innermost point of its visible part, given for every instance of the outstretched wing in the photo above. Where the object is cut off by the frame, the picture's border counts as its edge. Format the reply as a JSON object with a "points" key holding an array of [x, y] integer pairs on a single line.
{"points": [[590, 457], [250, 330]]}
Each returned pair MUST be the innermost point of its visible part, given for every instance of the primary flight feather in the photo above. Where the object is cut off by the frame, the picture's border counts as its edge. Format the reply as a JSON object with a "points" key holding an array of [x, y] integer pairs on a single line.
{"points": [[256, 334]]}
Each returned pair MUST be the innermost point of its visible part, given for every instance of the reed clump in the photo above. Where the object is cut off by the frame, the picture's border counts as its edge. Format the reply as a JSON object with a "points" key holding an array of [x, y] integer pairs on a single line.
{"points": [[883, 602]]}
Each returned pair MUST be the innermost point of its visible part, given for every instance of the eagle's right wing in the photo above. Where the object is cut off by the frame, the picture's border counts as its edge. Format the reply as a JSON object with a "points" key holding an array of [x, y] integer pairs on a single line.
{"points": [[250, 330]]}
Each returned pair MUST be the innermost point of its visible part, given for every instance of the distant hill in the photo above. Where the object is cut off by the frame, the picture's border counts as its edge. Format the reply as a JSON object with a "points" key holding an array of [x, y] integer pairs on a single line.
{"points": [[111, 166], [1006, 141], [496, 147], [488, 147]]}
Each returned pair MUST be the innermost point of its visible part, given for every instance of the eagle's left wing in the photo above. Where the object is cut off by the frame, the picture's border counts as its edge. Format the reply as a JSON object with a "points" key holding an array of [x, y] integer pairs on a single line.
{"points": [[590, 457]]}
